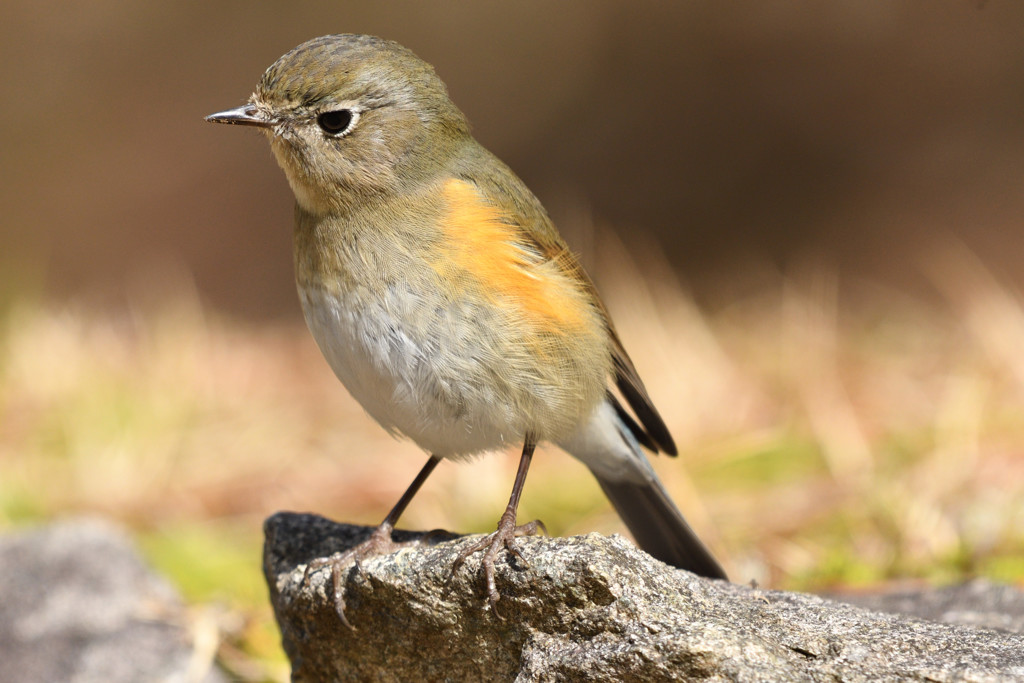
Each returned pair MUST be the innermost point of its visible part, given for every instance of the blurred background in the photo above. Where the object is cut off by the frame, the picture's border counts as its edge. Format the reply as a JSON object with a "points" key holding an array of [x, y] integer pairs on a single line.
{"points": [[805, 218]]}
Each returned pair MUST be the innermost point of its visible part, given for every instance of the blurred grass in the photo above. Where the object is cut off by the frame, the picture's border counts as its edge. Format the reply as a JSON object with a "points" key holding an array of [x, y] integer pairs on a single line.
{"points": [[833, 435]]}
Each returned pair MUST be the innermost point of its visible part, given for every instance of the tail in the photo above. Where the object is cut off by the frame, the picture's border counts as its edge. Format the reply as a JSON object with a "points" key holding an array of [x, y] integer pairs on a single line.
{"points": [[658, 527], [608, 447]]}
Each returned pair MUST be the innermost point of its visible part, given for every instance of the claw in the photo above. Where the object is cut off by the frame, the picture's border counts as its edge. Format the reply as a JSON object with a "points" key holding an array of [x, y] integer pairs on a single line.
{"points": [[507, 532], [504, 538], [379, 543]]}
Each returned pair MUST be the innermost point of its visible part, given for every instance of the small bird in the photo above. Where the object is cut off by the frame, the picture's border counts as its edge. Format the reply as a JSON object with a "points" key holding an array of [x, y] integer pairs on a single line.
{"points": [[443, 297]]}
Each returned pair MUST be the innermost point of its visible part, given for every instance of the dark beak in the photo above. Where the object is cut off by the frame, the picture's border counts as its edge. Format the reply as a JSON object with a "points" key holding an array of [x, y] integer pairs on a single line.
{"points": [[246, 115]]}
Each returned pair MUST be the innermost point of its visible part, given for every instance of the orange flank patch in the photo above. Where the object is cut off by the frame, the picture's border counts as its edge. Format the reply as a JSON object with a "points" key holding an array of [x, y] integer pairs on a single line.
{"points": [[484, 255]]}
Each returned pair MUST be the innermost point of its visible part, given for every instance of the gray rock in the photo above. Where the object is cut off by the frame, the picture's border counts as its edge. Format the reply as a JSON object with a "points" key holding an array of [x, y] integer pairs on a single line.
{"points": [[975, 603], [78, 605], [590, 608]]}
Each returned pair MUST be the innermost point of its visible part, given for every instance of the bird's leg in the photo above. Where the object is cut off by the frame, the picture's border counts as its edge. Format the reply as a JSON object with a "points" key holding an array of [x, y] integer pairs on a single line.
{"points": [[379, 543], [508, 531]]}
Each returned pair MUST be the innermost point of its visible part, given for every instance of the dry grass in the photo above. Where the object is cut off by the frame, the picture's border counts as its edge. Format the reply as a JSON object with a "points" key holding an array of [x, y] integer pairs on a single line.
{"points": [[831, 436]]}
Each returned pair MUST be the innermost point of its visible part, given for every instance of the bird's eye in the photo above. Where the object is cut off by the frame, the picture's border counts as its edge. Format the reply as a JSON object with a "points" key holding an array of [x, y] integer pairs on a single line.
{"points": [[337, 123]]}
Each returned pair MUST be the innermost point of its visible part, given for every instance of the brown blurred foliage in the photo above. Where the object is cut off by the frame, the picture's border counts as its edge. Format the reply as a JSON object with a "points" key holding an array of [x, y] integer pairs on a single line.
{"points": [[736, 133]]}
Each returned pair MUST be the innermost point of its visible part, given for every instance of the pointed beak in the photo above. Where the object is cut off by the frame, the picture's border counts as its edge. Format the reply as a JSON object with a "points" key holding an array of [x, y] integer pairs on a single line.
{"points": [[246, 115]]}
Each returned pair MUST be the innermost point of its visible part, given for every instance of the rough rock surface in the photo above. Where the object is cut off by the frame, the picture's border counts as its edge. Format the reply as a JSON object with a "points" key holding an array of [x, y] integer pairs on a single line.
{"points": [[77, 604], [976, 603], [589, 608]]}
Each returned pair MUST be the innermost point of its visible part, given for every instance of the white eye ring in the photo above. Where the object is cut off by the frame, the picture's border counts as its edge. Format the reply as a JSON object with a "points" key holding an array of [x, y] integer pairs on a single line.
{"points": [[337, 123]]}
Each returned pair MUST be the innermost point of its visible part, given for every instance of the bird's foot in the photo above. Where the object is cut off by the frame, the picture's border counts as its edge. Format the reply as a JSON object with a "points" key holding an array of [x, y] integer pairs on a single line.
{"points": [[505, 537], [379, 543]]}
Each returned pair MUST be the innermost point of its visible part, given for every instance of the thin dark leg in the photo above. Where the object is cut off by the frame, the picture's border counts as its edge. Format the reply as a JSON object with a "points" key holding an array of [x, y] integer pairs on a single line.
{"points": [[379, 543], [517, 486], [505, 536], [392, 519]]}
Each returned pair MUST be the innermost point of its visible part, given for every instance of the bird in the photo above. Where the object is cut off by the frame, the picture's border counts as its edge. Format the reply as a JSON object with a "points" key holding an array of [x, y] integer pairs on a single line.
{"points": [[444, 298]]}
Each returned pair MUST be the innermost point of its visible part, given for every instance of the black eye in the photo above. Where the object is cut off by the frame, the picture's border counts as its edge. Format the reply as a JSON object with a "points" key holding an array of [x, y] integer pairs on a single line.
{"points": [[336, 123]]}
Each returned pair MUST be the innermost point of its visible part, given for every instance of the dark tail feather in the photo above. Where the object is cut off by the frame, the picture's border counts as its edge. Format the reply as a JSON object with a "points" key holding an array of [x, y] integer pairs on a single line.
{"points": [[659, 527]]}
